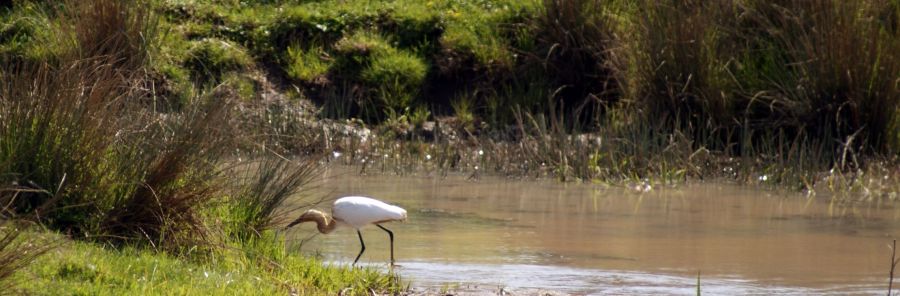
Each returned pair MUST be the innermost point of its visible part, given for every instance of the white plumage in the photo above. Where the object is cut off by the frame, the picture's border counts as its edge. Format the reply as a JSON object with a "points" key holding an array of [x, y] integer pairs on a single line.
{"points": [[356, 212], [359, 211]]}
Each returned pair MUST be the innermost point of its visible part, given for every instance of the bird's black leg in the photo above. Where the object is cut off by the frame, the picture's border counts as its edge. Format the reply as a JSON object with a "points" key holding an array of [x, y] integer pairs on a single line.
{"points": [[391, 235], [361, 243]]}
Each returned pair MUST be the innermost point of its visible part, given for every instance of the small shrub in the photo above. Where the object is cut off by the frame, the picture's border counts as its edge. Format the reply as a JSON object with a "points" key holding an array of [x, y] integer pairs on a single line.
{"points": [[307, 65], [242, 85], [396, 66], [15, 32], [173, 87], [57, 125], [419, 116], [397, 77], [673, 65], [174, 165], [302, 24], [464, 109], [85, 155], [843, 62], [391, 77]]}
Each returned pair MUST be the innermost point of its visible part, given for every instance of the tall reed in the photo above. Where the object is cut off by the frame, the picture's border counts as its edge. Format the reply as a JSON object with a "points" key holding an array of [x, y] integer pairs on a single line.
{"points": [[573, 46], [85, 154], [729, 74], [262, 187]]}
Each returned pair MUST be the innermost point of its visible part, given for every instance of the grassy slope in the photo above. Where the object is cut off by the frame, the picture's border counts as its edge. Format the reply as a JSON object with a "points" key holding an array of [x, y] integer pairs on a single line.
{"points": [[149, 209], [391, 51], [82, 268], [694, 92]]}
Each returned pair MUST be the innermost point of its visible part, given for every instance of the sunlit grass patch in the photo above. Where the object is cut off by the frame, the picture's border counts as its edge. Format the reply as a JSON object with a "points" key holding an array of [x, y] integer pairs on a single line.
{"points": [[87, 269], [480, 41], [26, 33], [396, 67], [80, 268], [392, 76], [243, 85], [209, 59], [362, 43], [17, 251], [307, 64]]}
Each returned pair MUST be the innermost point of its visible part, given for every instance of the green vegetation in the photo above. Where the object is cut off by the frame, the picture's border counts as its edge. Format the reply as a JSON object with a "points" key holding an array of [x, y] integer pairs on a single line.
{"points": [[307, 65], [208, 59], [81, 268], [152, 188], [743, 85], [159, 131]]}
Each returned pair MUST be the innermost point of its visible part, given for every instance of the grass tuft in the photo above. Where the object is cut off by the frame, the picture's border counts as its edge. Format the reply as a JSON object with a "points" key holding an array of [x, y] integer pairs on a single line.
{"points": [[209, 59], [307, 65], [262, 187], [16, 253]]}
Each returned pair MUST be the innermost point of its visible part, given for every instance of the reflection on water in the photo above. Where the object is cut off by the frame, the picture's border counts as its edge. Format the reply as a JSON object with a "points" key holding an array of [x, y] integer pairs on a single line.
{"points": [[586, 238]]}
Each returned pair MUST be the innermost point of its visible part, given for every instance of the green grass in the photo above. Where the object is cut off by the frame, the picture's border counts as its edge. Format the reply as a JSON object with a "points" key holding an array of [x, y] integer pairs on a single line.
{"points": [[121, 122], [692, 63], [366, 44], [661, 83], [81, 268], [25, 34], [728, 77], [209, 59], [397, 78], [361, 44], [117, 117], [94, 147], [307, 65]]}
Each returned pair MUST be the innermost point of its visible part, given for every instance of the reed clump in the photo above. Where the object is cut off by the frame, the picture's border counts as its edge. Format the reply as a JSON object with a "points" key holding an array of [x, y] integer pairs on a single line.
{"points": [[88, 152], [573, 44], [83, 153]]}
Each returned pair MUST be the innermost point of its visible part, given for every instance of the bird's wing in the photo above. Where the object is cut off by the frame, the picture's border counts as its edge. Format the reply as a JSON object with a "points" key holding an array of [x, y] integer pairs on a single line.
{"points": [[358, 211]]}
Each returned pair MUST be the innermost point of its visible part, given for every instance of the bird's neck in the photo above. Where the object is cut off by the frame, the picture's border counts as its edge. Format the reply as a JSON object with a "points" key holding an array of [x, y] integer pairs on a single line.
{"points": [[324, 223]]}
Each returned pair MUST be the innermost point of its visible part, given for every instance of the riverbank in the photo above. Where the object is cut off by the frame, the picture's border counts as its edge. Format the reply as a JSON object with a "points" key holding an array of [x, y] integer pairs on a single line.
{"points": [[179, 129], [74, 267], [609, 92], [539, 153], [738, 91]]}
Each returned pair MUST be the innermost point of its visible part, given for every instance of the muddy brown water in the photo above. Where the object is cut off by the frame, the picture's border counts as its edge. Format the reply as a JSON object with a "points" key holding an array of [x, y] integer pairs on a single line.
{"points": [[591, 239]]}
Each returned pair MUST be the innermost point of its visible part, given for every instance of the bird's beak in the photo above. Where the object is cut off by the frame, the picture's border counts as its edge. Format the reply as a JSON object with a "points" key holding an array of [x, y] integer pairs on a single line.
{"points": [[291, 225]]}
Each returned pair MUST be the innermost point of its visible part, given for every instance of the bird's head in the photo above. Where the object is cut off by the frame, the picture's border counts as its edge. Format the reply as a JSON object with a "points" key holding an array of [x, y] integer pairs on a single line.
{"points": [[403, 213], [308, 216]]}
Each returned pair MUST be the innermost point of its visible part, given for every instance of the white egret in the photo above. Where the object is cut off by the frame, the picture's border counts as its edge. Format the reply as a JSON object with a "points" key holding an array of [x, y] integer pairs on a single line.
{"points": [[356, 212]]}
